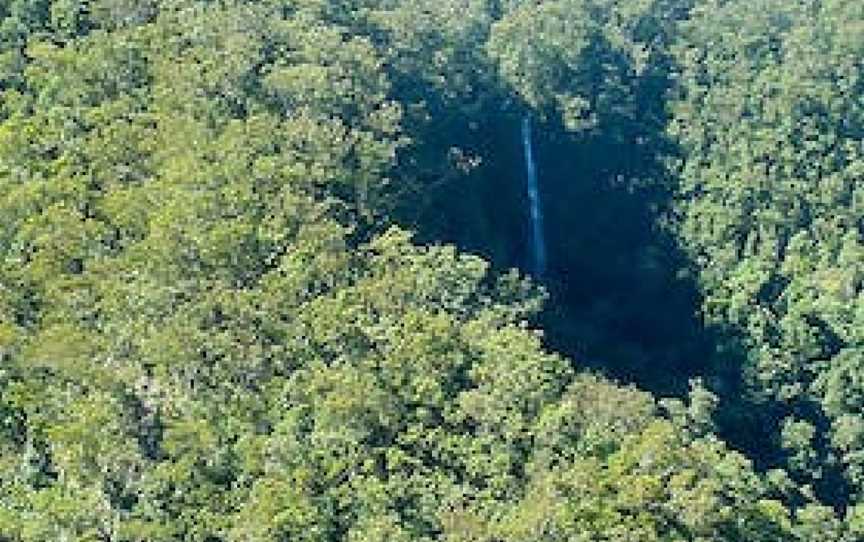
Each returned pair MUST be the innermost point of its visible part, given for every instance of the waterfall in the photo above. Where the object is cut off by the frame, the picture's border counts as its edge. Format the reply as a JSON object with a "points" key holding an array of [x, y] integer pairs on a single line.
{"points": [[538, 243]]}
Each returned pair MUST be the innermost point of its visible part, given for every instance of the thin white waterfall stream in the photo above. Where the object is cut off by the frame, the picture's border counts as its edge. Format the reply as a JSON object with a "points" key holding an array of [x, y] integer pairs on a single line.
{"points": [[538, 241]]}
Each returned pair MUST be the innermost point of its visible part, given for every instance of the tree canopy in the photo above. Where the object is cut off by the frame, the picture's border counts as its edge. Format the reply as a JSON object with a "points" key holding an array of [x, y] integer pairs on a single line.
{"points": [[257, 271]]}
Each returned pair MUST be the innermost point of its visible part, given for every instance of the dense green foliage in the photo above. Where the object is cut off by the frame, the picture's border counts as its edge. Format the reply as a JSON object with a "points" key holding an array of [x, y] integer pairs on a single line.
{"points": [[771, 119], [229, 312]]}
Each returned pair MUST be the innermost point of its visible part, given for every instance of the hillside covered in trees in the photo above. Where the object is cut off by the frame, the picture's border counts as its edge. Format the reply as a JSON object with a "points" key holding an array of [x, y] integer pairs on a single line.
{"points": [[266, 270]]}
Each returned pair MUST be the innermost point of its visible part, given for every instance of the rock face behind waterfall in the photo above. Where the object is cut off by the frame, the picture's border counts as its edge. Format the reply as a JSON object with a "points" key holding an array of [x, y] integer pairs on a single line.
{"points": [[538, 242]]}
